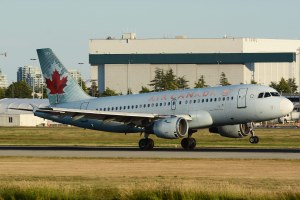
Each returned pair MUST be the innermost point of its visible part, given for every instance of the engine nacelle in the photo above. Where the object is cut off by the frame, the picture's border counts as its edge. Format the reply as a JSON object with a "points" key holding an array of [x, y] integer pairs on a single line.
{"points": [[232, 131], [171, 128]]}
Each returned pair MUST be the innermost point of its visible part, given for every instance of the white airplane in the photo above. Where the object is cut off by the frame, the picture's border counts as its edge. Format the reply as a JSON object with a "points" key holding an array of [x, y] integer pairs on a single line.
{"points": [[227, 110]]}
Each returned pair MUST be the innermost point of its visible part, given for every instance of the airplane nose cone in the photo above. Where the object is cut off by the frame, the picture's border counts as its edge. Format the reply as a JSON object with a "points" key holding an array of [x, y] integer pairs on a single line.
{"points": [[286, 106]]}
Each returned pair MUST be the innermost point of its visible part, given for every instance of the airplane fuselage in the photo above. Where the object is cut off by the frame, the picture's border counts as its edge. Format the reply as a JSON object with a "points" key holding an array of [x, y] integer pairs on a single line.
{"points": [[214, 106]]}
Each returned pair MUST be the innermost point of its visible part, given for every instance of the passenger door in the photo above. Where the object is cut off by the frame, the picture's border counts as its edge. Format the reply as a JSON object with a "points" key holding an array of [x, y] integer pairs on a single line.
{"points": [[241, 98]]}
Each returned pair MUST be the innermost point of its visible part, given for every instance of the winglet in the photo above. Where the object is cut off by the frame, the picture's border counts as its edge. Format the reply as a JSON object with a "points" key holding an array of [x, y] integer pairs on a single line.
{"points": [[34, 108]]}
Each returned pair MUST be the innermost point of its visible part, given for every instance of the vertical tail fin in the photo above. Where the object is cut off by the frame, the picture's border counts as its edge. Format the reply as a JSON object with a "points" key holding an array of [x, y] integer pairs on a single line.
{"points": [[61, 87]]}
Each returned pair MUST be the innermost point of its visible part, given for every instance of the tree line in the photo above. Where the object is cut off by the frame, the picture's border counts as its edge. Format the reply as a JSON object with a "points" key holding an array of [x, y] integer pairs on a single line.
{"points": [[163, 80]]}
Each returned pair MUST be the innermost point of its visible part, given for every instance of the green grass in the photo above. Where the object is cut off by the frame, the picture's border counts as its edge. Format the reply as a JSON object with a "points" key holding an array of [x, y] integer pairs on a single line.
{"points": [[269, 138], [148, 193], [144, 178]]}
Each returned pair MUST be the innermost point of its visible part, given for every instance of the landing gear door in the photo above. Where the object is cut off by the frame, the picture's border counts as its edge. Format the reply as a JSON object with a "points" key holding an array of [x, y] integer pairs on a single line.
{"points": [[241, 98]]}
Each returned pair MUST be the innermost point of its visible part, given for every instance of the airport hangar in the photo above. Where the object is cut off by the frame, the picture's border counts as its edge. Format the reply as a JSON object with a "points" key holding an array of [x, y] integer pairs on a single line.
{"points": [[130, 63]]}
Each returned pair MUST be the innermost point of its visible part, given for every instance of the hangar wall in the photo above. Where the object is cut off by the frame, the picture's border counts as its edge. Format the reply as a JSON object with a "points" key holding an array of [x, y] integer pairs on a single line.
{"points": [[122, 77], [134, 76]]}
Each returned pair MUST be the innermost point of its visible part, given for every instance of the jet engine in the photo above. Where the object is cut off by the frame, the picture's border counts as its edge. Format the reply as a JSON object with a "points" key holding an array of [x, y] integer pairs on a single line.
{"points": [[232, 131], [171, 128]]}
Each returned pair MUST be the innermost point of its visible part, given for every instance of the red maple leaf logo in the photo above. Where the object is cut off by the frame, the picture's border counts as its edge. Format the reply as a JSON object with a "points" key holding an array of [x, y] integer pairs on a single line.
{"points": [[56, 86]]}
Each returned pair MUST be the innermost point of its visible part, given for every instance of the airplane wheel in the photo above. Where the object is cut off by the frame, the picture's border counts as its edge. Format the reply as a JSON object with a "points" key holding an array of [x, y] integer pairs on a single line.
{"points": [[150, 143], [146, 144], [192, 143], [188, 143], [254, 139]]}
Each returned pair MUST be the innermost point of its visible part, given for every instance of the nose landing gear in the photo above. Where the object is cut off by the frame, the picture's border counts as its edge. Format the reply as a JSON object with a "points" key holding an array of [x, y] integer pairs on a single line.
{"points": [[253, 139]]}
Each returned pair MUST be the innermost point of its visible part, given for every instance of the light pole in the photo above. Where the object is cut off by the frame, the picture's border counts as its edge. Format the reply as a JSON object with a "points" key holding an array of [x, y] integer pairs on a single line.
{"points": [[80, 70], [298, 58], [33, 79]]}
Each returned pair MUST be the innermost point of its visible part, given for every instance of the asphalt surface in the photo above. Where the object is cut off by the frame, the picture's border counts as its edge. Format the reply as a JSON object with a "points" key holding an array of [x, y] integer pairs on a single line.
{"points": [[134, 152]]}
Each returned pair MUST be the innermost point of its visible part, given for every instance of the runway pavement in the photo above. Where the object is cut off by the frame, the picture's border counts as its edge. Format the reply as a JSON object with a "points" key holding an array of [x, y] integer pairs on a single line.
{"points": [[134, 152]]}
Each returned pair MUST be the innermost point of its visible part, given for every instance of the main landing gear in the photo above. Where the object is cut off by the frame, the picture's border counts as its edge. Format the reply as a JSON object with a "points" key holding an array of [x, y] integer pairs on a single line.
{"points": [[146, 143], [189, 143], [253, 139]]}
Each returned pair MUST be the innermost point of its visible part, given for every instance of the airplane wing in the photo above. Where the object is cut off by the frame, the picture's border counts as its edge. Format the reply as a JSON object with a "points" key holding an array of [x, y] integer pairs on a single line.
{"points": [[124, 117]]}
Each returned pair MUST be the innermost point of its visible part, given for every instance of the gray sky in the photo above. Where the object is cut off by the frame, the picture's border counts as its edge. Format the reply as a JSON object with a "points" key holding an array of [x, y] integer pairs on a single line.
{"points": [[67, 25]]}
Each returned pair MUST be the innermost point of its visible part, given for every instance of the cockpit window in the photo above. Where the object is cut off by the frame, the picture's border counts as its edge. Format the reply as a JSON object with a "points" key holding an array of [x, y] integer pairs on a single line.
{"points": [[261, 95], [267, 94], [275, 94]]}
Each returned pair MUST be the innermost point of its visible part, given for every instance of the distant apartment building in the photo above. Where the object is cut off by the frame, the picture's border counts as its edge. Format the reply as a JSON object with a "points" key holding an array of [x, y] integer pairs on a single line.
{"points": [[75, 74], [31, 75], [3, 80]]}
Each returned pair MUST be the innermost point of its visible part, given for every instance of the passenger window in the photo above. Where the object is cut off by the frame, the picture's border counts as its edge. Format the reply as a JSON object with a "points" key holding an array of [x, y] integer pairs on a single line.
{"points": [[165, 103], [116, 108], [267, 94], [148, 104], [108, 109], [136, 106], [231, 98], [100, 109], [215, 99], [186, 101], [211, 99], [169, 103], [120, 107], [128, 107], [198, 100], [260, 95], [160, 104], [202, 100], [227, 98], [194, 101], [180, 102], [156, 104], [104, 109], [223, 98], [206, 100], [144, 105]]}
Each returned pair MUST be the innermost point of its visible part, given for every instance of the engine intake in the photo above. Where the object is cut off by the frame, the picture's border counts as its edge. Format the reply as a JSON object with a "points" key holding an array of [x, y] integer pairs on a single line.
{"points": [[171, 128]]}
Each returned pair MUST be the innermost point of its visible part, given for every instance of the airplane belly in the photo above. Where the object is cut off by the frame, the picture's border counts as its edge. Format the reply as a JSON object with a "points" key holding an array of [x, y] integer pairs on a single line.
{"points": [[110, 126]]}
